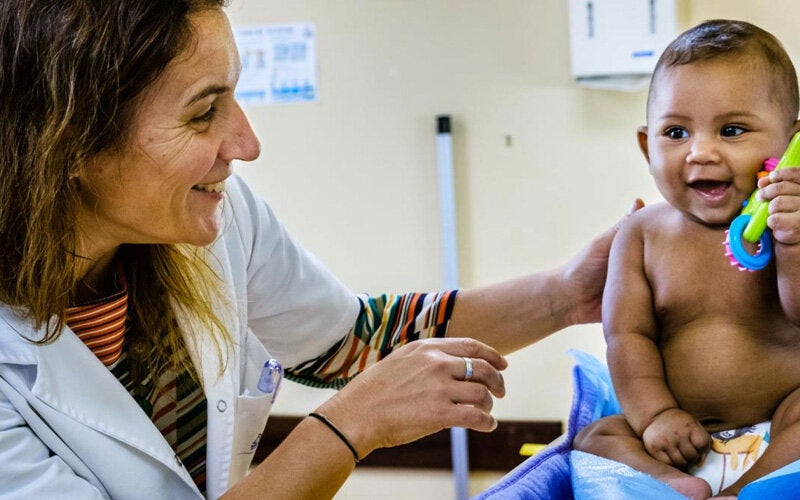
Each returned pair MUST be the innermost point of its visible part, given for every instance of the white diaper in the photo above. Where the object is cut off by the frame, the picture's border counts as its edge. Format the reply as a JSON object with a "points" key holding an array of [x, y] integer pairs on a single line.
{"points": [[732, 454]]}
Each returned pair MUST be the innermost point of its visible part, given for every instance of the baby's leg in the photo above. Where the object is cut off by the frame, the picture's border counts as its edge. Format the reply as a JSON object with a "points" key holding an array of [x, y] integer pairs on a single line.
{"points": [[784, 445], [612, 438]]}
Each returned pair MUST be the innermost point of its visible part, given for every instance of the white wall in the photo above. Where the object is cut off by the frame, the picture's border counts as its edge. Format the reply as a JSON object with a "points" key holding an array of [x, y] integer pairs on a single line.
{"points": [[353, 175]]}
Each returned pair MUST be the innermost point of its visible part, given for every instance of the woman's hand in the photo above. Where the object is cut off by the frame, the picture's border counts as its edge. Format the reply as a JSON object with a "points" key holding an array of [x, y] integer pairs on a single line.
{"points": [[417, 390], [516, 313], [586, 272]]}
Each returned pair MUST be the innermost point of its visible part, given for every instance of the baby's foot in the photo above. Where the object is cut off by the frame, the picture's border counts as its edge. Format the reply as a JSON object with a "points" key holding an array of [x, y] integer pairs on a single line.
{"points": [[724, 495], [688, 486]]}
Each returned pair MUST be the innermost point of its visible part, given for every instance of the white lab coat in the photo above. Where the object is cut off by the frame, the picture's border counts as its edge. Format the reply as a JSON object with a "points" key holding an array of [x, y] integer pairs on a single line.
{"points": [[68, 429]]}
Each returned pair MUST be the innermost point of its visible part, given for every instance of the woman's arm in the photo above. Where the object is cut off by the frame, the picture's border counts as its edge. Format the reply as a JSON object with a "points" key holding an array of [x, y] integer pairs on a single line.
{"points": [[519, 312], [384, 323], [417, 390], [420, 389], [311, 463]]}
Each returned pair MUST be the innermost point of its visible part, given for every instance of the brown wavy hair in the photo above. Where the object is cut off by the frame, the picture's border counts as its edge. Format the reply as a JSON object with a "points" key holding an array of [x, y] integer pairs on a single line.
{"points": [[71, 75], [718, 38]]}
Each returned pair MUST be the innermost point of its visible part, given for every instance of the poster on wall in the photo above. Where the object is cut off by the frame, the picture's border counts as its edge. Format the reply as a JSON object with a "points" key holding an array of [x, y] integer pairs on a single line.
{"points": [[279, 63]]}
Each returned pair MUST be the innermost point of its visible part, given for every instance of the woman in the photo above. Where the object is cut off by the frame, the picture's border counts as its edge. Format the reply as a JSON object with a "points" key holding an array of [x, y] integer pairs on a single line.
{"points": [[143, 286]]}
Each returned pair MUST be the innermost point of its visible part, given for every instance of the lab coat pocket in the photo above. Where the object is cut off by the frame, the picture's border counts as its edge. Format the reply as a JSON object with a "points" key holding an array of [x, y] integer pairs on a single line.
{"points": [[252, 405], [252, 412]]}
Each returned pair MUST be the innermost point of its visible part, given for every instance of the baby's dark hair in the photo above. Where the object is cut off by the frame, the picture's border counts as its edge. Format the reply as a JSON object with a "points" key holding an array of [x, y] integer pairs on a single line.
{"points": [[719, 38]]}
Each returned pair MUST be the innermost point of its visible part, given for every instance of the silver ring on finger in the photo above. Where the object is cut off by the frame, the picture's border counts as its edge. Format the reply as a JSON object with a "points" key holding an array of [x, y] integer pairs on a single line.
{"points": [[468, 363]]}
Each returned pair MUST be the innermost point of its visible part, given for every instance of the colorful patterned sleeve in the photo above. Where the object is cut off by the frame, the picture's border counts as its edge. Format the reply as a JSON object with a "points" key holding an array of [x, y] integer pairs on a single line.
{"points": [[384, 322]]}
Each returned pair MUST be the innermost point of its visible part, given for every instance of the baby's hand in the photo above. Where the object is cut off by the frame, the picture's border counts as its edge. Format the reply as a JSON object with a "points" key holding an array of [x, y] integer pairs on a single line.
{"points": [[676, 438], [782, 189]]}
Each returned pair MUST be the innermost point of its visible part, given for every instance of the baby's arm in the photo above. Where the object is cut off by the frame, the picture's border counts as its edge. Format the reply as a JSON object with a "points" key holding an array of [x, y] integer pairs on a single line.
{"points": [[782, 189], [629, 321]]}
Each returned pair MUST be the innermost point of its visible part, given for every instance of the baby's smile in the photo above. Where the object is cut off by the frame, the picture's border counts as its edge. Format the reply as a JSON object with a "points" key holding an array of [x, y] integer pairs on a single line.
{"points": [[713, 191]]}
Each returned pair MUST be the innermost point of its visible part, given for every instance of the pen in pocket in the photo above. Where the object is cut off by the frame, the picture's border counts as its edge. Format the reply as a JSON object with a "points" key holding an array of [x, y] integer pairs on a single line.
{"points": [[270, 379]]}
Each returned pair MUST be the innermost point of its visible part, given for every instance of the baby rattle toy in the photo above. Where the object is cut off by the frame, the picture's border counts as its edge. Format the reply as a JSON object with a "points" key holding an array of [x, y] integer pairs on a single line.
{"points": [[751, 223]]}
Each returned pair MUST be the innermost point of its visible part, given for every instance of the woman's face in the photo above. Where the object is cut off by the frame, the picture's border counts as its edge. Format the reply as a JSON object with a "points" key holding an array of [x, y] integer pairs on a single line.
{"points": [[166, 183]]}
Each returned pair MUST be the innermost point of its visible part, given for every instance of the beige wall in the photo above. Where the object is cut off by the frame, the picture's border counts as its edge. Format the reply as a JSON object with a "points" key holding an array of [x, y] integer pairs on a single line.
{"points": [[353, 175]]}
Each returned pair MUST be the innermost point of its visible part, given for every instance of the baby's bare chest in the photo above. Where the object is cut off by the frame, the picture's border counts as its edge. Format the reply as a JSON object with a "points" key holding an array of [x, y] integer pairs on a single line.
{"points": [[729, 351], [692, 279]]}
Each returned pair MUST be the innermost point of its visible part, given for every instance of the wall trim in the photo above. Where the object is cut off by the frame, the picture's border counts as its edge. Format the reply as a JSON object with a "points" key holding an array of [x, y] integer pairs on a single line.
{"points": [[495, 451]]}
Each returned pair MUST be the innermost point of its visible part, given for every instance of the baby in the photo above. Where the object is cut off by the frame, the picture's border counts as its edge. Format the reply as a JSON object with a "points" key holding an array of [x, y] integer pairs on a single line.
{"points": [[696, 347]]}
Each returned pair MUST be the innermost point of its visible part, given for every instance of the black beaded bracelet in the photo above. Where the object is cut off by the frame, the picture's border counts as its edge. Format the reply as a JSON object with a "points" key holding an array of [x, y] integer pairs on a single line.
{"points": [[322, 418]]}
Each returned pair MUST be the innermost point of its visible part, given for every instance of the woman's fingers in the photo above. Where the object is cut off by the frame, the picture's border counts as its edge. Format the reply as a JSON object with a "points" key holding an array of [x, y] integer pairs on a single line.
{"points": [[482, 374], [466, 347], [417, 390], [472, 394], [466, 357], [474, 418]]}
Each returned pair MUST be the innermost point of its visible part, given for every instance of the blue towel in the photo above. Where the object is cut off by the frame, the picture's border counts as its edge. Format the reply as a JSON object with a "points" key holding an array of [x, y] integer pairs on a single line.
{"points": [[558, 472]]}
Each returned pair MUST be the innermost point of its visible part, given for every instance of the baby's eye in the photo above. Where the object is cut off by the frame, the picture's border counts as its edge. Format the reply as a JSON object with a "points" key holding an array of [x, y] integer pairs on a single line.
{"points": [[732, 131], [676, 133]]}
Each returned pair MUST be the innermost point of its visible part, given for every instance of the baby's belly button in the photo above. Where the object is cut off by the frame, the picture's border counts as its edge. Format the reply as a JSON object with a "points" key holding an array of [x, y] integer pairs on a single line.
{"points": [[710, 397], [726, 408]]}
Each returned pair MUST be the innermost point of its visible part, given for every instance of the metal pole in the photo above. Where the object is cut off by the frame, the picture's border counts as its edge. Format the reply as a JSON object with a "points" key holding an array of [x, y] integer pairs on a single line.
{"points": [[447, 207]]}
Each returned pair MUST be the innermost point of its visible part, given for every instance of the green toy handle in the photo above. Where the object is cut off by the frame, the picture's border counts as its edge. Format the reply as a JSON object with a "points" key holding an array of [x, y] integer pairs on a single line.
{"points": [[758, 209]]}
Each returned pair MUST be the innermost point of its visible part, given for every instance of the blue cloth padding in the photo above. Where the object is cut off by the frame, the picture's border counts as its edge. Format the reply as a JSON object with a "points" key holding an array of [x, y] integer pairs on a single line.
{"points": [[782, 483], [546, 475], [550, 474], [598, 478], [597, 380]]}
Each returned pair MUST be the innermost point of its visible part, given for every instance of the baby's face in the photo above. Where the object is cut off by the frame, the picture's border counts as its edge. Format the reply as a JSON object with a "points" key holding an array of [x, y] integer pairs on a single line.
{"points": [[711, 125]]}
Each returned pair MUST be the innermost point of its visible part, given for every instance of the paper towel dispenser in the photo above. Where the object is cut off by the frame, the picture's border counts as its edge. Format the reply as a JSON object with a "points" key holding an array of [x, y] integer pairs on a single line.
{"points": [[616, 43]]}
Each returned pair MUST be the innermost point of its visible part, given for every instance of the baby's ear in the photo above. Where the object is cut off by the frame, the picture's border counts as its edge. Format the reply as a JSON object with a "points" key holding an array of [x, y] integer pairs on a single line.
{"points": [[796, 127], [641, 136]]}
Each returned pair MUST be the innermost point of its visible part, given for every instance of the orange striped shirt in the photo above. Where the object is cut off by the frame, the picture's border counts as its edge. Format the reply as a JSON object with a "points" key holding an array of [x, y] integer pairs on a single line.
{"points": [[175, 403], [101, 325], [384, 323]]}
